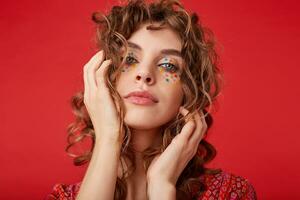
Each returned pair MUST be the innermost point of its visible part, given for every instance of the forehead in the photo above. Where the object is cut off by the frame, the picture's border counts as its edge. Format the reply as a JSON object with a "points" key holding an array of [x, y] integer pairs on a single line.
{"points": [[155, 40]]}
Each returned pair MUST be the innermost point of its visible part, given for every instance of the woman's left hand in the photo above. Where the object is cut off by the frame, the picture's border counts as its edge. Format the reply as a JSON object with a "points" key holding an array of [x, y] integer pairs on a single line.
{"points": [[167, 167]]}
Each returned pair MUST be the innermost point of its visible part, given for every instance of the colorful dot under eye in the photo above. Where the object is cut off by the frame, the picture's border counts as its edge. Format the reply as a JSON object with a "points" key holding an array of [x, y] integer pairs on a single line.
{"points": [[171, 79], [127, 67]]}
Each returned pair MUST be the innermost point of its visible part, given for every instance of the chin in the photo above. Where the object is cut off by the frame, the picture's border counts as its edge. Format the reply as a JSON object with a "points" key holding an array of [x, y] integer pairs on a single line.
{"points": [[141, 121], [146, 119]]}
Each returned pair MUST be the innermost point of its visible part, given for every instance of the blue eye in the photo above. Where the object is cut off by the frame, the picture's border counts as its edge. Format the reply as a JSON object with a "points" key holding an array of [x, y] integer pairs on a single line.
{"points": [[169, 67]]}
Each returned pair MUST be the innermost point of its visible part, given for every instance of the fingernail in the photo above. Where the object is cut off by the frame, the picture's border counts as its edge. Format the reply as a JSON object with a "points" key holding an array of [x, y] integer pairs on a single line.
{"points": [[180, 108]]}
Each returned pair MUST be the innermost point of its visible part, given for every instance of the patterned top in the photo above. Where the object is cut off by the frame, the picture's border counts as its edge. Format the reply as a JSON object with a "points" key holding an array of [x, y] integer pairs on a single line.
{"points": [[221, 186]]}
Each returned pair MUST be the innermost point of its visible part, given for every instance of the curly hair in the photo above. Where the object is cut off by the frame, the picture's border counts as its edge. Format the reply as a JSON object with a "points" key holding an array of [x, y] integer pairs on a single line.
{"points": [[201, 84]]}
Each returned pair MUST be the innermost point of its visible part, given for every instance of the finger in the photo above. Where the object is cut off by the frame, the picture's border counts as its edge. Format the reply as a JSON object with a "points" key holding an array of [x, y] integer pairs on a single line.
{"points": [[186, 113], [200, 130], [85, 83], [189, 126], [100, 75], [92, 66], [183, 111]]}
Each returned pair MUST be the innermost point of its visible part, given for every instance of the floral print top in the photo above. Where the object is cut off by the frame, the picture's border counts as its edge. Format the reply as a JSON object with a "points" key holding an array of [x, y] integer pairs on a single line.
{"points": [[221, 186]]}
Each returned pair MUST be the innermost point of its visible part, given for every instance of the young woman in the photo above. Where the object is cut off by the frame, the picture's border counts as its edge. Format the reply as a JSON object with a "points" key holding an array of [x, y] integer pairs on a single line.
{"points": [[144, 104]]}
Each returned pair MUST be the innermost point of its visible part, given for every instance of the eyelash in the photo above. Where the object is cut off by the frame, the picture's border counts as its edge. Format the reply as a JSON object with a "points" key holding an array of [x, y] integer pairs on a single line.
{"points": [[174, 67], [173, 70], [127, 62]]}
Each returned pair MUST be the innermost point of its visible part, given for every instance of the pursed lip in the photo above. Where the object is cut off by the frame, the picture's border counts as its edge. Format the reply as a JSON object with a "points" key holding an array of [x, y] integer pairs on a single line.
{"points": [[143, 94]]}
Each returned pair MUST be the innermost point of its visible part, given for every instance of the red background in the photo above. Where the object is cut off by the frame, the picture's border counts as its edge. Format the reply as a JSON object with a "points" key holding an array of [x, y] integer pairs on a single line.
{"points": [[44, 45]]}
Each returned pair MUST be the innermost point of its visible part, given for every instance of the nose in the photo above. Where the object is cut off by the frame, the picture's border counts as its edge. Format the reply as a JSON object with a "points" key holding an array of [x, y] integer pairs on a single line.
{"points": [[145, 76]]}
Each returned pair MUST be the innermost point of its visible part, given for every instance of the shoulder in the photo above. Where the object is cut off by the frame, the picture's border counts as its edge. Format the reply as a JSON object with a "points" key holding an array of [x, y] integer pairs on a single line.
{"points": [[61, 191], [225, 185]]}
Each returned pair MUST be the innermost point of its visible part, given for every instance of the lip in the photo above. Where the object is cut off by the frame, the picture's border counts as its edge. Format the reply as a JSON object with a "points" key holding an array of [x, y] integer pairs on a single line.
{"points": [[141, 98]]}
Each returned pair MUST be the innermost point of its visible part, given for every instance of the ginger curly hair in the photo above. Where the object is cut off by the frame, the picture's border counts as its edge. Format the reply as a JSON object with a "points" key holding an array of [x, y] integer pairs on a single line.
{"points": [[201, 83]]}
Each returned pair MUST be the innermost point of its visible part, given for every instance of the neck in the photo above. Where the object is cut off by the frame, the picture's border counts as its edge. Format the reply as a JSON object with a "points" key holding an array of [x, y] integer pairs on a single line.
{"points": [[142, 139]]}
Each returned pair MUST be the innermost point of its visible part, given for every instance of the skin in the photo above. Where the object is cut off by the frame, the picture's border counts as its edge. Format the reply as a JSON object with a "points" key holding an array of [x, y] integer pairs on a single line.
{"points": [[146, 63], [165, 169]]}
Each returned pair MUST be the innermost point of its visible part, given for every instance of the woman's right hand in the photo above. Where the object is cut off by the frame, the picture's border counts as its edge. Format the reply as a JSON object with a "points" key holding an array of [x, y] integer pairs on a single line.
{"points": [[98, 101]]}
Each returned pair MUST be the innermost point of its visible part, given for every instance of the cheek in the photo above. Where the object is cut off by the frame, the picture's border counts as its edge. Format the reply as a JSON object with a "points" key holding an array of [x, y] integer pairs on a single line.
{"points": [[171, 101], [170, 87], [167, 77], [172, 96], [123, 79], [128, 68]]}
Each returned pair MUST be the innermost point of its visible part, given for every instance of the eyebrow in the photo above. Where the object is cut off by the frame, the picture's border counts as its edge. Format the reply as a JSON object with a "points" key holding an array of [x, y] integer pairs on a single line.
{"points": [[163, 51]]}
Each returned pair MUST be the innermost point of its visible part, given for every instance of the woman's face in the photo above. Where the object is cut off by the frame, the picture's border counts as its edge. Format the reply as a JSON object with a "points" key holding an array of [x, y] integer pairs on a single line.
{"points": [[152, 68]]}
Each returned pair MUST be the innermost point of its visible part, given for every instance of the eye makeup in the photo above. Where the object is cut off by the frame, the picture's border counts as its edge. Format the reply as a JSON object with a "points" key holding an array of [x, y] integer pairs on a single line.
{"points": [[168, 67], [130, 62], [169, 71]]}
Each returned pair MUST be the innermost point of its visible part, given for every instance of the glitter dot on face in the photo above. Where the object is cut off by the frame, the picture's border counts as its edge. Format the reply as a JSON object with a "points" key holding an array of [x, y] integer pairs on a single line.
{"points": [[127, 67]]}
